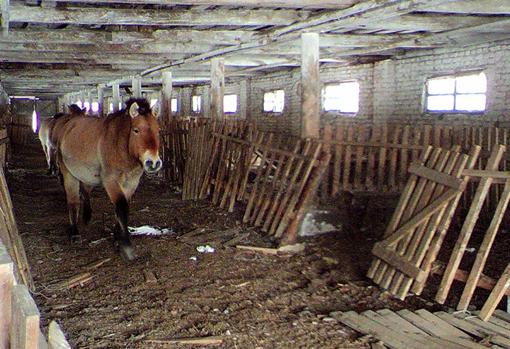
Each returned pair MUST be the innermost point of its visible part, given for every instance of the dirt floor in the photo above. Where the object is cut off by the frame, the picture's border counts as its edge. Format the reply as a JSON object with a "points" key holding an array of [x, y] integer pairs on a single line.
{"points": [[250, 300]]}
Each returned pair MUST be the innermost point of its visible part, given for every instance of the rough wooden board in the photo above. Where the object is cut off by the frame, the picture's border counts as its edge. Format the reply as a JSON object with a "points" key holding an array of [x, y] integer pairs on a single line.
{"points": [[503, 315], [25, 320], [392, 339], [499, 290], [409, 330], [440, 322], [474, 330], [438, 331]]}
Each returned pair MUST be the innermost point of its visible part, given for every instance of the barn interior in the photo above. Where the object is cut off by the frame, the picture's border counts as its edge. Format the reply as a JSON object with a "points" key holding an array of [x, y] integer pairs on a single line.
{"points": [[335, 174]]}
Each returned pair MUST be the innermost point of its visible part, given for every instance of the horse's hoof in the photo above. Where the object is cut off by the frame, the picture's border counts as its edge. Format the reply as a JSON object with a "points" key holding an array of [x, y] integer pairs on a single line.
{"points": [[127, 253]]}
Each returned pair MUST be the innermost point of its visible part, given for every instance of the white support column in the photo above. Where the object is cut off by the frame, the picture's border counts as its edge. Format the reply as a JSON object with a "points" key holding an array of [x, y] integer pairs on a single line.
{"points": [[100, 101], [115, 97], [4, 17], [136, 85], [89, 100], [217, 87], [166, 97], [310, 86]]}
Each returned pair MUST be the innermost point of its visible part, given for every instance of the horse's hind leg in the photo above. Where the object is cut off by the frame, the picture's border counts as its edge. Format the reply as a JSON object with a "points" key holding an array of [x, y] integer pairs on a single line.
{"points": [[121, 213], [72, 189], [85, 195]]}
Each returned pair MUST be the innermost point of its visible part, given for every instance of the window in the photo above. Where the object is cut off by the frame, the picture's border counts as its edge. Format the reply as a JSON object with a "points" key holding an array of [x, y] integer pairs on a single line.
{"points": [[35, 121], [110, 107], [86, 105], [230, 104], [456, 93], [154, 101], [95, 107], [173, 105], [196, 104], [79, 104], [274, 101], [342, 97]]}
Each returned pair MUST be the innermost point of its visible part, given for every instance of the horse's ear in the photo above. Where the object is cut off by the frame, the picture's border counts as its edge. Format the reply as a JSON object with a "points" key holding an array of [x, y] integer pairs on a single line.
{"points": [[133, 110], [155, 109]]}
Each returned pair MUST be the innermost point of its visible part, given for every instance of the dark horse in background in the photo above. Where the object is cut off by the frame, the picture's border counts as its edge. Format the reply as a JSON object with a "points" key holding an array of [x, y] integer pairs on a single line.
{"points": [[49, 134], [112, 152]]}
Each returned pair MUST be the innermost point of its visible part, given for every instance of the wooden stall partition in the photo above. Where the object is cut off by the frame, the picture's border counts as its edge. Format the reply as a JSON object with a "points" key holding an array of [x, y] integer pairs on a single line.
{"points": [[4, 143], [9, 234], [430, 194], [19, 316]]}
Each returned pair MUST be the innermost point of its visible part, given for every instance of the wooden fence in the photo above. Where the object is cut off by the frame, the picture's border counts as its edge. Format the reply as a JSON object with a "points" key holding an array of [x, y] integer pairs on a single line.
{"points": [[232, 163], [20, 130]]}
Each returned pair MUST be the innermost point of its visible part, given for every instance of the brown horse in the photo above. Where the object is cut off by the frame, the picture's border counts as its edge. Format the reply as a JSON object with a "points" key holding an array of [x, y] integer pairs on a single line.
{"points": [[113, 151], [48, 133]]}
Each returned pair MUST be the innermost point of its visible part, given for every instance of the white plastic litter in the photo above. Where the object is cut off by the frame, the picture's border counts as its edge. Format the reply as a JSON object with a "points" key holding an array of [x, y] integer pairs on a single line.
{"points": [[148, 230], [205, 249], [193, 258], [470, 249]]}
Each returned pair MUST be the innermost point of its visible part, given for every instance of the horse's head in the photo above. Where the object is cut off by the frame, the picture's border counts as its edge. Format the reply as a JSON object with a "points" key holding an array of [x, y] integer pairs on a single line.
{"points": [[144, 135]]}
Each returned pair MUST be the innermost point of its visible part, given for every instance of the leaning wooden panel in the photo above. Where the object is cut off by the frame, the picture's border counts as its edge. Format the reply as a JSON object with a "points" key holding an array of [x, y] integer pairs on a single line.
{"points": [[484, 249], [438, 239], [467, 228]]}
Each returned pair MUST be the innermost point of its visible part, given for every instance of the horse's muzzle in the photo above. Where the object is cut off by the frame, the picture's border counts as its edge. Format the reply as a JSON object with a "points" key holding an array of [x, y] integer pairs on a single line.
{"points": [[152, 166]]}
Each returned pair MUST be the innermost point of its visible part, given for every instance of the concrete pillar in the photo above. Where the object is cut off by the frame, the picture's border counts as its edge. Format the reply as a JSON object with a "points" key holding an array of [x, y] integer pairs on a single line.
{"points": [[136, 85], [115, 97], [217, 88], [100, 101], [166, 97], [310, 86]]}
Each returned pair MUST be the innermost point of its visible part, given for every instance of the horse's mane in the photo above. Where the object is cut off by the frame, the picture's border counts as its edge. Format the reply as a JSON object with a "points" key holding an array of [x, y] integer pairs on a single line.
{"points": [[144, 108], [75, 109], [59, 115]]}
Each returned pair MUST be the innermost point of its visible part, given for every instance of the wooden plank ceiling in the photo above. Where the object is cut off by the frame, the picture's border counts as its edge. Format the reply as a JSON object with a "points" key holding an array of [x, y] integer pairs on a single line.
{"points": [[49, 48]]}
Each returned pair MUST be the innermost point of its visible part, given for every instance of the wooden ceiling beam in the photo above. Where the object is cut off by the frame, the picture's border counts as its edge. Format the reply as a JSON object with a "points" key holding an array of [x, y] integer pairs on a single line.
{"points": [[95, 37], [472, 7], [309, 4], [102, 16]]}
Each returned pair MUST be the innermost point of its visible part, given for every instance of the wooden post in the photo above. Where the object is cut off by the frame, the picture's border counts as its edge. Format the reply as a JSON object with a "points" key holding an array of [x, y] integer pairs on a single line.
{"points": [[166, 100], [4, 17], [136, 84], [116, 97], [25, 319], [100, 101], [83, 98], [6, 284], [310, 86], [217, 87]]}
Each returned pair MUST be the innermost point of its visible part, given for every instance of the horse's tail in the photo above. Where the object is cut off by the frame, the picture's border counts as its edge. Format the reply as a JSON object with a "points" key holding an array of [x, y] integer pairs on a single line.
{"points": [[86, 209]]}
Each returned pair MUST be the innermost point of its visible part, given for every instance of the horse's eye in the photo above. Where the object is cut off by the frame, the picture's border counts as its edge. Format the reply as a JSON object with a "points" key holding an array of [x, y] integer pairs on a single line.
{"points": [[135, 130]]}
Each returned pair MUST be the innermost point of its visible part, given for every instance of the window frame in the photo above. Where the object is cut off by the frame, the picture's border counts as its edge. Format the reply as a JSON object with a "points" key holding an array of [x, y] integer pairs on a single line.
{"points": [[454, 76], [338, 111], [176, 105], [264, 102], [199, 104], [237, 104]]}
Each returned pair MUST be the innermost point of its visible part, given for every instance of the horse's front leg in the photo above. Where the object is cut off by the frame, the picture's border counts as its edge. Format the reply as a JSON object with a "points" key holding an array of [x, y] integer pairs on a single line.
{"points": [[120, 202]]}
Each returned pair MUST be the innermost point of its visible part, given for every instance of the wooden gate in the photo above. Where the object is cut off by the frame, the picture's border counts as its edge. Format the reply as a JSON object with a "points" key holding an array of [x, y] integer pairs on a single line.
{"points": [[416, 230]]}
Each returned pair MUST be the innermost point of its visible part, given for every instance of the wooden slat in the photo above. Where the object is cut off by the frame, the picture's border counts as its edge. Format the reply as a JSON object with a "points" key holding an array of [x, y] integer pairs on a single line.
{"points": [[497, 293], [369, 180], [392, 183], [381, 169], [467, 228], [347, 160], [337, 161], [436, 176], [359, 159]]}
